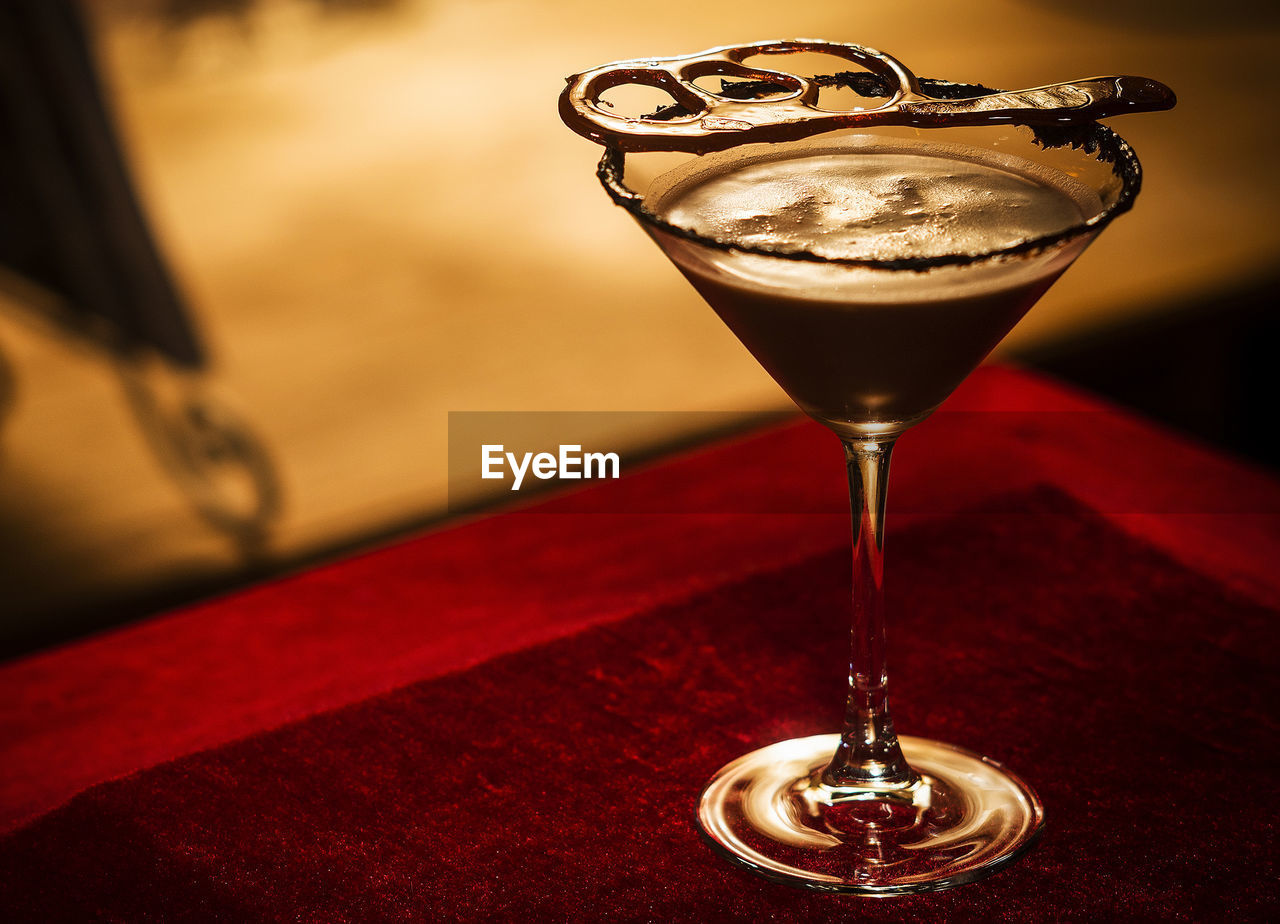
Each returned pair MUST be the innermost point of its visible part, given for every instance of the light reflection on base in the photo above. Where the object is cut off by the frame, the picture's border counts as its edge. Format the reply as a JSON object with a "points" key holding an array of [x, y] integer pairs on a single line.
{"points": [[968, 818]]}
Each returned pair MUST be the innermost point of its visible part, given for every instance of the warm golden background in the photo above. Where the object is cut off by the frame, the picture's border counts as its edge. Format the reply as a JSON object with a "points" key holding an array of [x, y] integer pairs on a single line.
{"points": [[378, 218]]}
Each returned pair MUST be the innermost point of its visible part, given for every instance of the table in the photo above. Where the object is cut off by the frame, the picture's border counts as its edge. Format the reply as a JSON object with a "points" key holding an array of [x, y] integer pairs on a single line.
{"points": [[511, 718]]}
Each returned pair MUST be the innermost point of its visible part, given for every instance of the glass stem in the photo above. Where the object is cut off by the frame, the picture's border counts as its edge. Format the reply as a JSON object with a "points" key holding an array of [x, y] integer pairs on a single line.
{"points": [[869, 757]]}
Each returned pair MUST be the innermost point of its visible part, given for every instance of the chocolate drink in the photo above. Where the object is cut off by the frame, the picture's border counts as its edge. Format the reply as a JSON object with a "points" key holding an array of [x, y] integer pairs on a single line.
{"points": [[861, 348]]}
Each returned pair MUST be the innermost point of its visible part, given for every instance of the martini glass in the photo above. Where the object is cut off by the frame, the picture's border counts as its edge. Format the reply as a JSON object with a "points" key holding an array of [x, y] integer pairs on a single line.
{"points": [[868, 344]]}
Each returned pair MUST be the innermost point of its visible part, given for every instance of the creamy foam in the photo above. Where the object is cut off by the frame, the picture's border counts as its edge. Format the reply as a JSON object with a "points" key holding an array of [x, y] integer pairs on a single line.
{"points": [[881, 203]]}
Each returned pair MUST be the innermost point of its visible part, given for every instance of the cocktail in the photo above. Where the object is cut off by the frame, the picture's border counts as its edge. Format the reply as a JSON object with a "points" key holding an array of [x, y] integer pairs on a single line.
{"points": [[869, 258]]}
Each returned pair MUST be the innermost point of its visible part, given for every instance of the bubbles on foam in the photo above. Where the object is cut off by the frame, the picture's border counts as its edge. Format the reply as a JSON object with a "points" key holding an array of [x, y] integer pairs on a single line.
{"points": [[871, 204]]}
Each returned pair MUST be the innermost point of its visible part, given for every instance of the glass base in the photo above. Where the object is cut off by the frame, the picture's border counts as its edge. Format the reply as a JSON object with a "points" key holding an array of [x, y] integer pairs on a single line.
{"points": [[967, 818]]}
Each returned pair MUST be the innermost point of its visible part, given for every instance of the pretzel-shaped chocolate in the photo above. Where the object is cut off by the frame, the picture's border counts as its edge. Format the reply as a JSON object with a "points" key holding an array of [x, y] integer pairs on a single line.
{"points": [[716, 122]]}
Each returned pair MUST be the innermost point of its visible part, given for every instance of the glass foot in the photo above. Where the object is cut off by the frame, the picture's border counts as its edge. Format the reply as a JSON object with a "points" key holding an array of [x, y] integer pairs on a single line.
{"points": [[967, 818]]}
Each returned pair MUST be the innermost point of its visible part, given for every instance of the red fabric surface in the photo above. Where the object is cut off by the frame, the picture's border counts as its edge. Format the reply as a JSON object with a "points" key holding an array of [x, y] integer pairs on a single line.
{"points": [[558, 782], [111, 705]]}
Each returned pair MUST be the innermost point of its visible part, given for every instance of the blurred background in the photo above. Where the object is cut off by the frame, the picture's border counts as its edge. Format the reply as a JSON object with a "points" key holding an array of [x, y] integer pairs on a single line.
{"points": [[365, 214]]}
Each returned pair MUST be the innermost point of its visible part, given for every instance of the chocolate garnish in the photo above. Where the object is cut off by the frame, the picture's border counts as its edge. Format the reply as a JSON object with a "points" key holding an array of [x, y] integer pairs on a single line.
{"points": [[702, 121]]}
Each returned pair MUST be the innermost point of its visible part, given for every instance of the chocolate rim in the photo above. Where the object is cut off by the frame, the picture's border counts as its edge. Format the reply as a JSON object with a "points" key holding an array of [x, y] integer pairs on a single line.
{"points": [[1090, 137]]}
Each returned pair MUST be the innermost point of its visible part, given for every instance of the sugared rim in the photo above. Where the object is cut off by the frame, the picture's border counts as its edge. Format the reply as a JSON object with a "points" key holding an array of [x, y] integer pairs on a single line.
{"points": [[1092, 138]]}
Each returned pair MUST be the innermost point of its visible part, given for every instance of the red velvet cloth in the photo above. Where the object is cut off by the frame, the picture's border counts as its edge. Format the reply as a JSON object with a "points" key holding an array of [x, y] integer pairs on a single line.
{"points": [[667, 541], [129, 699], [558, 782]]}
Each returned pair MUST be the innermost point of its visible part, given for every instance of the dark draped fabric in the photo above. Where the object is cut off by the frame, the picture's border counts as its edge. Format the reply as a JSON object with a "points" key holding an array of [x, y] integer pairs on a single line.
{"points": [[70, 219]]}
